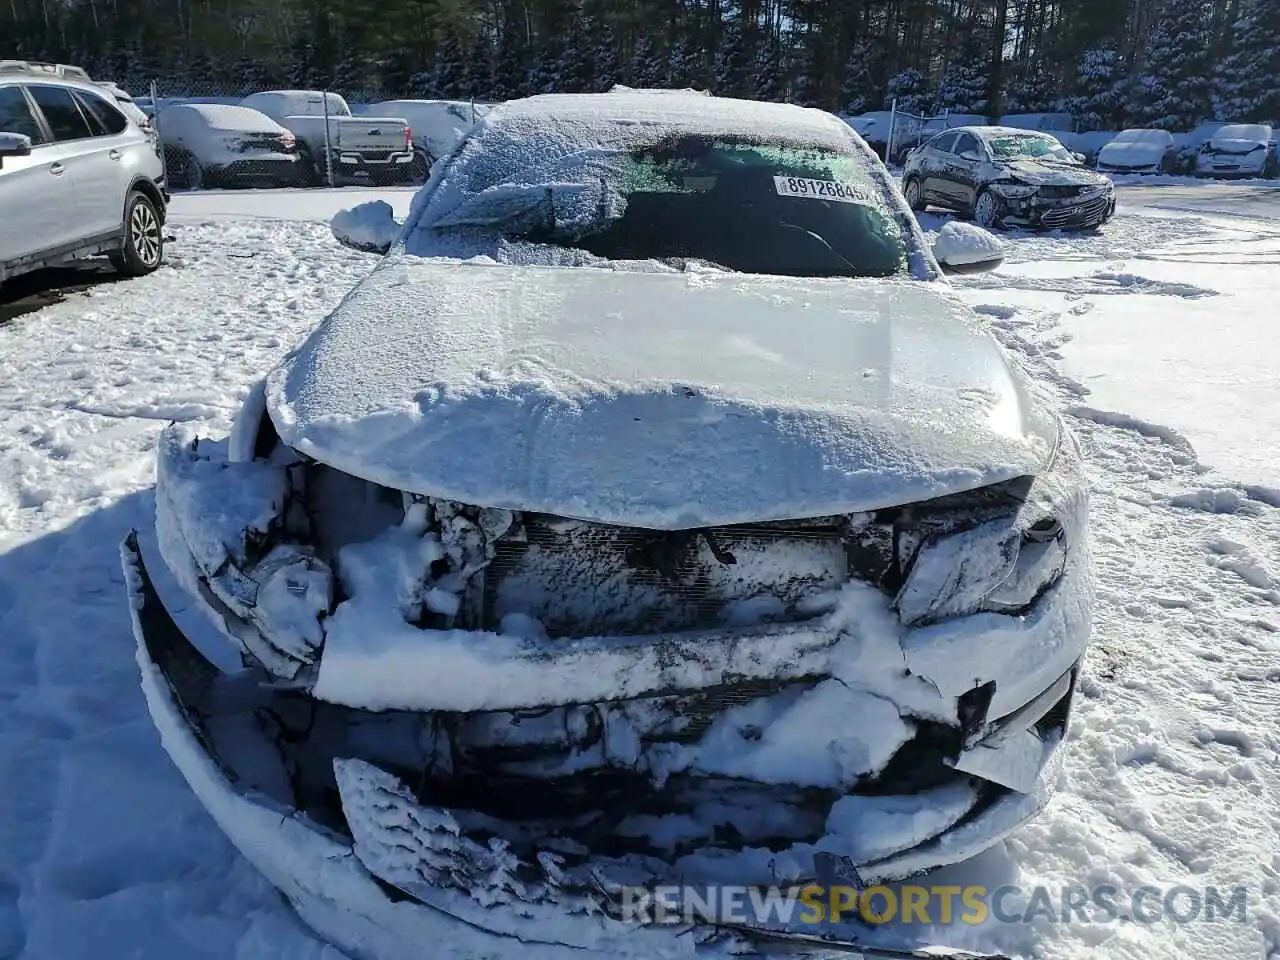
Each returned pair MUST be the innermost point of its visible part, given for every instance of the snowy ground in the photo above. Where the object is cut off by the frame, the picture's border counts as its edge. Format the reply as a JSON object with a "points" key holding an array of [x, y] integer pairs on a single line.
{"points": [[1154, 334]]}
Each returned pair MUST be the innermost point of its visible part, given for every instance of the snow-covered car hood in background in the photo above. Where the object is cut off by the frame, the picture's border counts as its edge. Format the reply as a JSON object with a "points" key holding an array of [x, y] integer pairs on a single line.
{"points": [[657, 400], [1235, 147], [1132, 154], [1052, 174]]}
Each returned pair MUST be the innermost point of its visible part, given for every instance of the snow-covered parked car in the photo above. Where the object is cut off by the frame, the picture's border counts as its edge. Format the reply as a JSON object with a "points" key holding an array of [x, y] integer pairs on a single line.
{"points": [[654, 512], [877, 126], [213, 145], [1239, 150], [1139, 151], [1001, 176], [437, 126]]}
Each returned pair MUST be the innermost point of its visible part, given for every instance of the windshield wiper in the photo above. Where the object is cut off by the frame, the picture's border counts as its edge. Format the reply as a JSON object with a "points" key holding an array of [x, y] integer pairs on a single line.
{"points": [[820, 239]]}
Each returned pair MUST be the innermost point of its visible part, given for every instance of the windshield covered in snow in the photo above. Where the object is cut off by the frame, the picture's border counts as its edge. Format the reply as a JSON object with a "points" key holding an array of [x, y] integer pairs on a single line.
{"points": [[1029, 148], [734, 203], [1244, 131], [1160, 138]]}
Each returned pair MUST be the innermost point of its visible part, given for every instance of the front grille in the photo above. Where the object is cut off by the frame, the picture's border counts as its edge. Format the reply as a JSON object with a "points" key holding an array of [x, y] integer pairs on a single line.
{"points": [[1057, 193], [584, 579], [1087, 212]]}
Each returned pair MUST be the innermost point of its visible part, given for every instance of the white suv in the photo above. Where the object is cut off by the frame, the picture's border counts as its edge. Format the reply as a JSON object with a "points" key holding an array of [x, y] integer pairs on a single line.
{"points": [[77, 176]]}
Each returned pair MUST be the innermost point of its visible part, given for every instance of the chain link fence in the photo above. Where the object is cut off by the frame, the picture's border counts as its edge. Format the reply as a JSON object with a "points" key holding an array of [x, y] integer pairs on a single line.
{"points": [[245, 138]]}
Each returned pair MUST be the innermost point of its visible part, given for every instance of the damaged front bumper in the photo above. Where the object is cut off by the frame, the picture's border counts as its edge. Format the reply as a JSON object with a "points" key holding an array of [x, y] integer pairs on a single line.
{"points": [[400, 874], [420, 774], [1061, 213]]}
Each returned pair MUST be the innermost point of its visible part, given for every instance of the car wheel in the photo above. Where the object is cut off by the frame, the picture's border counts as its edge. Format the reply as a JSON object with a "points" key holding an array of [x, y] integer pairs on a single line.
{"points": [[143, 247], [986, 211], [308, 171], [182, 170], [419, 168], [914, 195]]}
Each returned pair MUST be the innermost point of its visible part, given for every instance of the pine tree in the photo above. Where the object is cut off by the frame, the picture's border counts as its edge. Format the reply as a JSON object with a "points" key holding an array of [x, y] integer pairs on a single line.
{"points": [[1171, 90], [479, 71], [860, 91], [911, 91], [606, 66], [1246, 84], [732, 70], [648, 68], [1034, 90], [448, 78], [963, 87], [511, 74], [768, 78], [1095, 101]]}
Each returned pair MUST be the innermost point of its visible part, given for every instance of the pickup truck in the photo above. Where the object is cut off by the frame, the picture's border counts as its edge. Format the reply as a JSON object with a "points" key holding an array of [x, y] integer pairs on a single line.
{"points": [[379, 150]]}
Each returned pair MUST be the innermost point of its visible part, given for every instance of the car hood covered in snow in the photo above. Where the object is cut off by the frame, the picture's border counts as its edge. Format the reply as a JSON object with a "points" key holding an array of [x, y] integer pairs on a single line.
{"points": [[662, 400], [1133, 154], [1235, 146], [1046, 174]]}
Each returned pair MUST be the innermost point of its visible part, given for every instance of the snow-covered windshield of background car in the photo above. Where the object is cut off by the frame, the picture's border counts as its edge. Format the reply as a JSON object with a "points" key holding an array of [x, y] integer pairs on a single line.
{"points": [[1029, 148], [1159, 138], [749, 207], [1244, 131]]}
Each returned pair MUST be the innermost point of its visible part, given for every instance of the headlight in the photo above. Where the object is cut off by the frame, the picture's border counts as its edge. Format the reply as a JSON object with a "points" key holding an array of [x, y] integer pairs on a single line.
{"points": [[1013, 191], [1095, 189], [1001, 563]]}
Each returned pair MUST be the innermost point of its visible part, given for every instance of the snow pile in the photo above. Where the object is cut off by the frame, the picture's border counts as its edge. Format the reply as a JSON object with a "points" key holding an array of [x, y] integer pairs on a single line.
{"points": [[959, 244], [368, 226]]}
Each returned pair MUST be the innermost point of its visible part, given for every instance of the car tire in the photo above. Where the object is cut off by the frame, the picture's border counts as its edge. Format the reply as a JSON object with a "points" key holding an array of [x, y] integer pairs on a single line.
{"points": [[142, 251], [183, 170], [914, 195], [986, 210], [308, 172], [419, 168]]}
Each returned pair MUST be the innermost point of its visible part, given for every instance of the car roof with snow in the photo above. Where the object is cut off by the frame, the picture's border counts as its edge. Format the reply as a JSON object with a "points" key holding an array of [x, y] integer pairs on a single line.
{"points": [[220, 117], [1244, 131], [992, 133], [624, 115]]}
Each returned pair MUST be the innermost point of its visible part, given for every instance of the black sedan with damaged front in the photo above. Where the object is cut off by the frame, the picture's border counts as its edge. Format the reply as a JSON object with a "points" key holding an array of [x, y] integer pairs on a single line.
{"points": [[1002, 176]]}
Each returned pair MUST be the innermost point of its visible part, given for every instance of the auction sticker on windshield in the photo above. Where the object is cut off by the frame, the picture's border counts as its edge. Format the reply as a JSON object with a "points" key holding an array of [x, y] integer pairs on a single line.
{"points": [[820, 190]]}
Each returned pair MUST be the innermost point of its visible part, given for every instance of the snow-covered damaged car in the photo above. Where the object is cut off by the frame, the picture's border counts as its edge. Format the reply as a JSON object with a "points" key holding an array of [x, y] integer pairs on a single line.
{"points": [[653, 513], [1139, 151], [1239, 150], [1002, 176]]}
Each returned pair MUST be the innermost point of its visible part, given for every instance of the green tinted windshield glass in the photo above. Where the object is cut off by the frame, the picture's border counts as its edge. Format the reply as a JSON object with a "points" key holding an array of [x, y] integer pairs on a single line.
{"points": [[754, 208]]}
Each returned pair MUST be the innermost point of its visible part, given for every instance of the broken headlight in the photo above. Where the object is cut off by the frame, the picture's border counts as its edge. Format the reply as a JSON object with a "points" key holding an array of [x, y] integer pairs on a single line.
{"points": [[997, 564], [1013, 191]]}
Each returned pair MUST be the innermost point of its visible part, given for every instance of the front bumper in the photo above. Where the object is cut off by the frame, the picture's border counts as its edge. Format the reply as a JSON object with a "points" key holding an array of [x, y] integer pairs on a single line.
{"points": [[1061, 214], [929, 745], [1230, 168], [397, 874]]}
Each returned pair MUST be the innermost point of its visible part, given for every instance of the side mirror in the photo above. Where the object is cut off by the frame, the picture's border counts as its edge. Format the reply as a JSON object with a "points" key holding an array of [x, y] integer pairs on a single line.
{"points": [[368, 227], [14, 145], [970, 155], [1079, 157], [966, 248]]}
